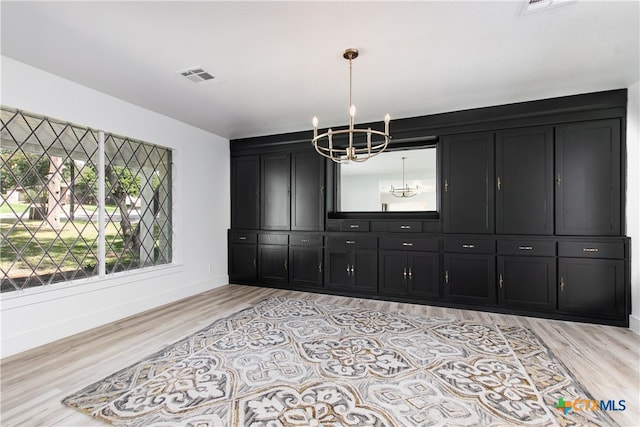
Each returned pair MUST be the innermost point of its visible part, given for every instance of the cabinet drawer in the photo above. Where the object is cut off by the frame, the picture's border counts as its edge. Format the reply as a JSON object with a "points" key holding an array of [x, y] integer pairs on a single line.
{"points": [[273, 239], [406, 227], [591, 249], [235, 237], [354, 225], [476, 246], [352, 242], [526, 247], [305, 240], [409, 244]]}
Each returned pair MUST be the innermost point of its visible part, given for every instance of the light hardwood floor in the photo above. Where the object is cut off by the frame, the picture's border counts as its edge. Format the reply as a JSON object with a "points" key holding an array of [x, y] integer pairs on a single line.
{"points": [[605, 359]]}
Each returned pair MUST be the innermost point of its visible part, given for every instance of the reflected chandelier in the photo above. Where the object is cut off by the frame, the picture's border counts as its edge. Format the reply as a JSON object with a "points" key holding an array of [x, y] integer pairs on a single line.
{"points": [[405, 191], [353, 152]]}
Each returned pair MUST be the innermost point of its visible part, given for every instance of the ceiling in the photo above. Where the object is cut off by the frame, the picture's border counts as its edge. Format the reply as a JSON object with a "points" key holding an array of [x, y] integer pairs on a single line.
{"points": [[278, 64]]}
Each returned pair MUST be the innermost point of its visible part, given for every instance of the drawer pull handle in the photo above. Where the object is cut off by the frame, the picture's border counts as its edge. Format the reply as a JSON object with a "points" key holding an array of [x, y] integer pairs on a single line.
{"points": [[410, 274], [242, 238], [354, 226], [407, 244], [305, 240], [589, 249], [350, 242], [525, 248], [404, 272], [405, 227], [468, 246]]}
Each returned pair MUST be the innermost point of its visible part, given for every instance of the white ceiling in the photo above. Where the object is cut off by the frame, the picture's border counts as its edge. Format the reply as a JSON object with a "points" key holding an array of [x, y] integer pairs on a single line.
{"points": [[277, 64]]}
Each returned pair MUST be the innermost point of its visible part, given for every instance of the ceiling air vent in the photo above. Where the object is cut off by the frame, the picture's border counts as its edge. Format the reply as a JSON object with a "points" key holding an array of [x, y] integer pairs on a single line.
{"points": [[531, 6], [196, 75]]}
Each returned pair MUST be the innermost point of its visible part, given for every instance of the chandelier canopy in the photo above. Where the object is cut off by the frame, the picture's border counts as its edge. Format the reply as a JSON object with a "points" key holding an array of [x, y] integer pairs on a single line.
{"points": [[405, 190], [354, 151]]}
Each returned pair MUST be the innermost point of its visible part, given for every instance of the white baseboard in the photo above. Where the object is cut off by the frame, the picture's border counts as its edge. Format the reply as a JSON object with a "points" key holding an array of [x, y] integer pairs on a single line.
{"points": [[49, 333], [634, 323]]}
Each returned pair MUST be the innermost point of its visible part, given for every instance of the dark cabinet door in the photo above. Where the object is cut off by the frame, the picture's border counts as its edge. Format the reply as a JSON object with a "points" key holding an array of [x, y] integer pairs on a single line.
{"points": [[524, 181], [527, 282], [273, 264], [307, 191], [424, 274], [337, 268], [364, 270], [470, 278], [245, 192], [468, 191], [275, 192], [591, 286], [242, 263], [353, 270], [588, 178], [393, 272], [305, 266]]}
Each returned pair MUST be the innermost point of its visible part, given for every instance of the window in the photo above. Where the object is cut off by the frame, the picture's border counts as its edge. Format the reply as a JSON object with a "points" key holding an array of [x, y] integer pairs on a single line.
{"points": [[65, 214]]}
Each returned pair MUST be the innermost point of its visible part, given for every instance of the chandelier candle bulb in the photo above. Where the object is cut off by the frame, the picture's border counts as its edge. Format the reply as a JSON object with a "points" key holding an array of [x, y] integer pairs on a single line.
{"points": [[315, 127]]}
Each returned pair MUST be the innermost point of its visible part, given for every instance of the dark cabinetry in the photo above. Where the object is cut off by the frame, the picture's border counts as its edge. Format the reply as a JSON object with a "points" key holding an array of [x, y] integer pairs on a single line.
{"points": [[588, 178], [243, 266], [524, 181], [527, 274], [305, 261], [273, 259], [275, 184], [531, 216], [307, 191], [591, 277], [409, 267], [245, 192], [351, 263], [470, 268], [467, 171]]}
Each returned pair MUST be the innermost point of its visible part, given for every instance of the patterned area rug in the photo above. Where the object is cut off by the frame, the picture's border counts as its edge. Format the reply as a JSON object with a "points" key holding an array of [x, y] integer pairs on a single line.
{"points": [[286, 362]]}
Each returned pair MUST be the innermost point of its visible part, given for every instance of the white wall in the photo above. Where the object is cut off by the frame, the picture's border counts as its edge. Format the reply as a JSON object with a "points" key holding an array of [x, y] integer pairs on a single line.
{"points": [[633, 200], [201, 200]]}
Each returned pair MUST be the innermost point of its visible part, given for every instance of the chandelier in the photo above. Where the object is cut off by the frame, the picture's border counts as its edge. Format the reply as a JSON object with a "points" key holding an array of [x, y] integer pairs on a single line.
{"points": [[405, 190], [354, 151]]}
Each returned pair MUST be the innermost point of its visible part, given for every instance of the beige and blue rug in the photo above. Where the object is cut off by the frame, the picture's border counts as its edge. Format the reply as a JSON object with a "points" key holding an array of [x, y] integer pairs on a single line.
{"points": [[286, 362]]}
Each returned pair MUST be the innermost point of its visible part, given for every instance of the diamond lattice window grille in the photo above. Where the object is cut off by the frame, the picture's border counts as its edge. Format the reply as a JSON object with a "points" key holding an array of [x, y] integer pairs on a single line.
{"points": [[49, 205]]}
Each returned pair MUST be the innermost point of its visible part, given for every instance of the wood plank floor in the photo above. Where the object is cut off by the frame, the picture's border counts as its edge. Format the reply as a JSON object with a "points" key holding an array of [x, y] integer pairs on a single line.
{"points": [[605, 359]]}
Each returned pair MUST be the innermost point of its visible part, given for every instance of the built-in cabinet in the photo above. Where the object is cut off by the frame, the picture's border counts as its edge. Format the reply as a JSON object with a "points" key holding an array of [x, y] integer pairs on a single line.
{"points": [[530, 220], [351, 263], [588, 178], [409, 266], [524, 181], [469, 270], [467, 184]]}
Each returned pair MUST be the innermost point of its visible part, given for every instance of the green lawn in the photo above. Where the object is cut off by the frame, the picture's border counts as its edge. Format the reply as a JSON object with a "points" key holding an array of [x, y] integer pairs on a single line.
{"points": [[67, 247]]}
